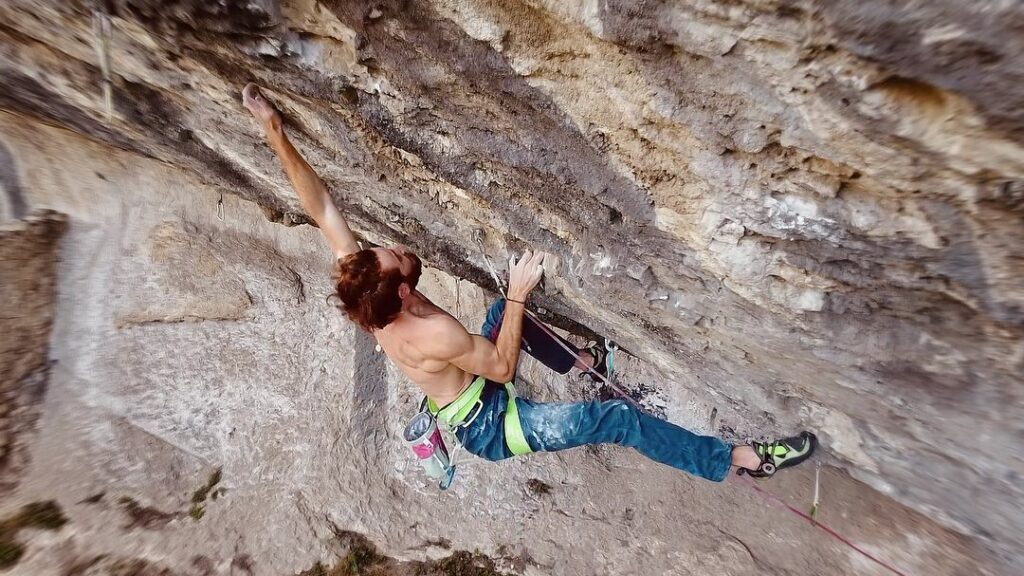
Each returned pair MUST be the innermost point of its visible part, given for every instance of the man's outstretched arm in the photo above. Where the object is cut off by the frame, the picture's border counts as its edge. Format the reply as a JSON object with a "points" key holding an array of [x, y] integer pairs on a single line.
{"points": [[313, 194]]}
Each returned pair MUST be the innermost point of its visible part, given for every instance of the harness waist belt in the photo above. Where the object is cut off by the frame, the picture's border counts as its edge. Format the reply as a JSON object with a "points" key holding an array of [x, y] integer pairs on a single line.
{"points": [[458, 411], [455, 413]]}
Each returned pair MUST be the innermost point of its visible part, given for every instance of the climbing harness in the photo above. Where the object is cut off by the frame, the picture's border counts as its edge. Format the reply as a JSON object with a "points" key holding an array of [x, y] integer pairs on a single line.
{"points": [[514, 437], [456, 414], [423, 433]]}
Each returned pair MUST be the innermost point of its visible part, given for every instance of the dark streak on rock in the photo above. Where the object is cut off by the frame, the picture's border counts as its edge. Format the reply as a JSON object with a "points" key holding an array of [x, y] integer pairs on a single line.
{"points": [[25, 95]]}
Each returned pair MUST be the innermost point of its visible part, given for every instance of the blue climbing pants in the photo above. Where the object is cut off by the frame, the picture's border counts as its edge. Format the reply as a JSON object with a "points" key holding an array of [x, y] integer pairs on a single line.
{"points": [[553, 427]]}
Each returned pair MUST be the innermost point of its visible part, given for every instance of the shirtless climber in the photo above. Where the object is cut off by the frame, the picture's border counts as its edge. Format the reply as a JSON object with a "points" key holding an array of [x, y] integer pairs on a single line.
{"points": [[457, 370]]}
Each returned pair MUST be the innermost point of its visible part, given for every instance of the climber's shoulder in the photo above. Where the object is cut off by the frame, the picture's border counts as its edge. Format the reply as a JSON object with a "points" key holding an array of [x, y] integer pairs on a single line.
{"points": [[438, 334]]}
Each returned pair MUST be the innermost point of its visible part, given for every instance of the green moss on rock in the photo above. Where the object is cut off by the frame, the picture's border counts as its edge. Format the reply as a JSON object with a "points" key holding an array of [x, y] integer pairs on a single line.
{"points": [[45, 515]]}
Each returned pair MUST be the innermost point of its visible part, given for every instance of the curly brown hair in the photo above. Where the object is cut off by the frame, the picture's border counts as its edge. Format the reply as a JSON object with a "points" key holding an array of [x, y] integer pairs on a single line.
{"points": [[367, 293]]}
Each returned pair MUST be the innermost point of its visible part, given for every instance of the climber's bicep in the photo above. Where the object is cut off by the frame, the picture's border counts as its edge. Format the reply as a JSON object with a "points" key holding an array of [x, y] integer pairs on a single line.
{"points": [[472, 353], [481, 357]]}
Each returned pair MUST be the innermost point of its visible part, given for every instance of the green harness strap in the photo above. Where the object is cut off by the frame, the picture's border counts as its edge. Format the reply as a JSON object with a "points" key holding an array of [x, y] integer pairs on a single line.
{"points": [[514, 437], [459, 409], [455, 414]]}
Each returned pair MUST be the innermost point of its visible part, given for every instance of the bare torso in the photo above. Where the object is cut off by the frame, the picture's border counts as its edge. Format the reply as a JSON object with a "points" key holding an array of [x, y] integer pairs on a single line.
{"points": [[442, 381]]}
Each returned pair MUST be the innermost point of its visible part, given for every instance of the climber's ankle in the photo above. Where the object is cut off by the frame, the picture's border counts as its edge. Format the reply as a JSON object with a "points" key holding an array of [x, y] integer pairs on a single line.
{"points": [[745, 457]]}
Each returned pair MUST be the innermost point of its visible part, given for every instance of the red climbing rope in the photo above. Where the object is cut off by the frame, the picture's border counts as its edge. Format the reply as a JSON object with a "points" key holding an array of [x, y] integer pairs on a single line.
{"points": [[757, 489], [823, 527]]}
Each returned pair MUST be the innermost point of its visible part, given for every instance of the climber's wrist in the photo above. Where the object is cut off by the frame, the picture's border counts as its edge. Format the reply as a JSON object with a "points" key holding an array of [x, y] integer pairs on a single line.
{"points": [[517, 299]]}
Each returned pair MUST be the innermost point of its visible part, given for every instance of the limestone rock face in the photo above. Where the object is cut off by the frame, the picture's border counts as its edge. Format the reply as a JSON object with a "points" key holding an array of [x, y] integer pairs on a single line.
{"points": [[799, 214]]}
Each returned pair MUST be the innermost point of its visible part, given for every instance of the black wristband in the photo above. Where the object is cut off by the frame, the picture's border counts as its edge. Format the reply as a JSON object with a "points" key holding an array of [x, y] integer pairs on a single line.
{"points": [[523, 302]]}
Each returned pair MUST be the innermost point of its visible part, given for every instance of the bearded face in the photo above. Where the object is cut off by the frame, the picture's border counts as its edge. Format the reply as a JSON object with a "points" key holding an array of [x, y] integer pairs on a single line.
{"points": [[368, 282]]}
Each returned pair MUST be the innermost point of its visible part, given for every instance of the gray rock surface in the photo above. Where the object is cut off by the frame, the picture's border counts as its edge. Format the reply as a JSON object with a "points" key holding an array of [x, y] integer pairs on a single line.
{"points": [[801, 214]]}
